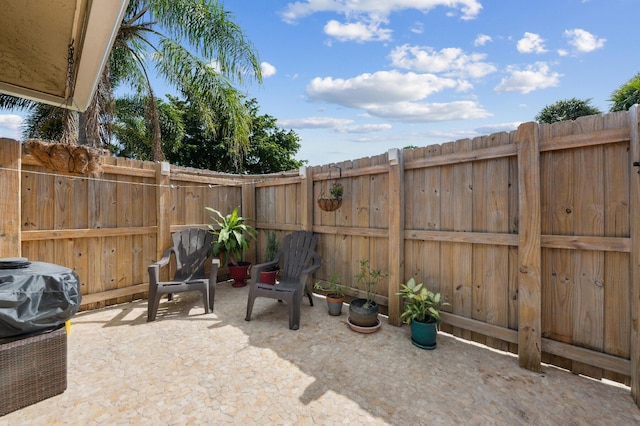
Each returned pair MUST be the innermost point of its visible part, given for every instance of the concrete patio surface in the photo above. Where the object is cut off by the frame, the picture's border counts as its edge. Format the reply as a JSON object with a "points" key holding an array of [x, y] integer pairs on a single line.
{"points": [[188, 368]]}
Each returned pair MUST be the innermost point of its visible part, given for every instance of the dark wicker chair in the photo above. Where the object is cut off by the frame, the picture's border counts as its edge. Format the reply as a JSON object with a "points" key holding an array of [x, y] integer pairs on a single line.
{"points": [[299, 261], [191, 248]]}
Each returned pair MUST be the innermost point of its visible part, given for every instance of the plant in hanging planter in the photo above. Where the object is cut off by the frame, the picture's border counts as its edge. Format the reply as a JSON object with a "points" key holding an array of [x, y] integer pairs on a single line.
{"points": [[336, 191], [422, 312], [269, 276], [363, 312], [335, 293], [232, 237]]}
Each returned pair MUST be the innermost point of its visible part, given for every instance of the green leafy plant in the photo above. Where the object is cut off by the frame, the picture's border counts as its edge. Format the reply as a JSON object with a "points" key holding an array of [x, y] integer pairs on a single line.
{"points": [[272, 249], [331, 287], [420, 304], [233, 235], [336, 191], [369, 279]]}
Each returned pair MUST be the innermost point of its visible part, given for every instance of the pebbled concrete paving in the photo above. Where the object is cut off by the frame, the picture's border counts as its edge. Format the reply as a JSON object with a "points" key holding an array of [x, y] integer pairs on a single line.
{"points": [[187, 368]]}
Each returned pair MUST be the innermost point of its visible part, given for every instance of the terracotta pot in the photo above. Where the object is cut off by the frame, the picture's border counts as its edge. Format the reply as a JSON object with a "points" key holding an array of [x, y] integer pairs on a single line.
{"points": [[334, 304], [268, 277], [239, 273]]}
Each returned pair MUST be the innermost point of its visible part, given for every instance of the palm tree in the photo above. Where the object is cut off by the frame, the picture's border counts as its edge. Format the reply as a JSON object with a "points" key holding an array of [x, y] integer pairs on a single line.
{"points": [[195, 46]]}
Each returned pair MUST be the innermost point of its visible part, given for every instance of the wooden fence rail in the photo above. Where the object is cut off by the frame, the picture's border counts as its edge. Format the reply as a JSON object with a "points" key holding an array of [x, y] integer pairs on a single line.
{"points": [[532, 236]]}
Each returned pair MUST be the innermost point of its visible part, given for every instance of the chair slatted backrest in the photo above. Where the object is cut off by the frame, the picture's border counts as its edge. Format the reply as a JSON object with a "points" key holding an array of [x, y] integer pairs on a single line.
{"points": [[298, 249], [192, 247]]}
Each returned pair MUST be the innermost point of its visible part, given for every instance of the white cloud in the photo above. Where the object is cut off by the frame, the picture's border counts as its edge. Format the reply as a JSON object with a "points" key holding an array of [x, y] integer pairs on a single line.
{"points": [[379, 87], [420, 112], [562, 52], [340, 125], [468, 9], [583, 41], [450, 61], [531, 43], [268, 70], [533, 77], [10, 126], [396, 96], [418, 28], [357, 31], [482, 39]]}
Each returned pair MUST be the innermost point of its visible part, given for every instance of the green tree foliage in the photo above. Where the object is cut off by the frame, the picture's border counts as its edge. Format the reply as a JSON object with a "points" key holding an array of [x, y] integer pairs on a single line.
{"points": [[566, 109], [626, 95], [195, 46], [188, 142]]}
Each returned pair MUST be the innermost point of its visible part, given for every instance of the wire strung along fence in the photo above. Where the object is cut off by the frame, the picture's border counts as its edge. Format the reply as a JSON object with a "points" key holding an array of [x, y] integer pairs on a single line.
{"points": [[532, 236]]}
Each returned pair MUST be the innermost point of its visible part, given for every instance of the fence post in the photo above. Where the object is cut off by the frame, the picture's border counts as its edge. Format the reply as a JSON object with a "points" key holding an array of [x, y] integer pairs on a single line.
{"points": [[529, 249], [634, 211], [396, 233], [163, 207], [306, 198], [10, 198], [249, 210]]}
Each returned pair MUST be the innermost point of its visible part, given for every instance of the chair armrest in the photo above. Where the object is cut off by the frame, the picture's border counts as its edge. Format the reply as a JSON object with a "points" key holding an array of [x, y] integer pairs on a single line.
{"points": [[154, 268], [311, 269], [166, 256]]}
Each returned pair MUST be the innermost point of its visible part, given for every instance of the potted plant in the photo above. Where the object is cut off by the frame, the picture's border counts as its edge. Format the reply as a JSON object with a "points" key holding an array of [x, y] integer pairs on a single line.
{"points": [[422, 312], [232, 237], [335, 293], [270, 275], [335, 201], [363, 312]]}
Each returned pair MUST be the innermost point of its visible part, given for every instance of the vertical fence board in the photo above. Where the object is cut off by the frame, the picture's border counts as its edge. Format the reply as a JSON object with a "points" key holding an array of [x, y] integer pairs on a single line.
{"points": [[588, 295], [513, 250], [529, 327], [617, 288], [634, 187], [460, 297], [462, 222], [481, 270], [395, 247], [497, 308], [10, 194]]}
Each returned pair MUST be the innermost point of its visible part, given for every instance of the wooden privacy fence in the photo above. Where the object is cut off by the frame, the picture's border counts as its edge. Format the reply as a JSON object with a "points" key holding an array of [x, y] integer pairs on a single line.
{"points": [[532, 236]]}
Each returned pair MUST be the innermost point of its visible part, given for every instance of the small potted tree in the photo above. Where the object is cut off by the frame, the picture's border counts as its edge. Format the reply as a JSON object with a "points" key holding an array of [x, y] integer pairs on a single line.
{"points": [[270, 275], [232, 237], [422, 313], [334, 293], [363, 312]]}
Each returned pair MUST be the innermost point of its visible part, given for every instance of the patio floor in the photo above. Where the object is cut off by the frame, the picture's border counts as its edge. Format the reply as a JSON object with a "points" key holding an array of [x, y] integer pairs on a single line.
{"points": [[191, 368]]}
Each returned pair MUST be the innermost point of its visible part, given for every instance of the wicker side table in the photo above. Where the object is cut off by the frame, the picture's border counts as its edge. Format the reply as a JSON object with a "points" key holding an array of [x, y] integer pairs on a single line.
{"points": [[32, 369]]}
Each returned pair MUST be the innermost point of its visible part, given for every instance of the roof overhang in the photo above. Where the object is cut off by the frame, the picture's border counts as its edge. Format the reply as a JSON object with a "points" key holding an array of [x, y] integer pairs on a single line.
{"points": [[54, 51]]}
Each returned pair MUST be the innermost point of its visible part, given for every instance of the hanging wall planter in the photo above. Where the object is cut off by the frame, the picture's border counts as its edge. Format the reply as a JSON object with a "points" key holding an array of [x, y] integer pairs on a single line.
{"points": [[329, 204], [335, 200]]}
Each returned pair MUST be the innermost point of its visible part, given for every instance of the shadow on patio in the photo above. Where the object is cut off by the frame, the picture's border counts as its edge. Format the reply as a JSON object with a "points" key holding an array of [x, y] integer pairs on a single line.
{"points": [[191, 368]]}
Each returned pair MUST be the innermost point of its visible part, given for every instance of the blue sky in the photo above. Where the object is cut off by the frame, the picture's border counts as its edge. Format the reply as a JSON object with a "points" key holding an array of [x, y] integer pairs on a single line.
{"points": [[356, 77]]}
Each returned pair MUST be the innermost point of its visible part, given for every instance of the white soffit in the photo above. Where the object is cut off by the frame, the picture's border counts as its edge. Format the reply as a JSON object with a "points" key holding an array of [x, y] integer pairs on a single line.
{"points": [[35, 36]]}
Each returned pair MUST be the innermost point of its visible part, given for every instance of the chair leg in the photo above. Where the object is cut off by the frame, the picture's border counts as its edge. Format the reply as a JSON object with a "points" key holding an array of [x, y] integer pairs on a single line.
{"points": [[309, 296], [294, 311], [153, 304], [212, 295], [250, 301], [205, 299]]}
